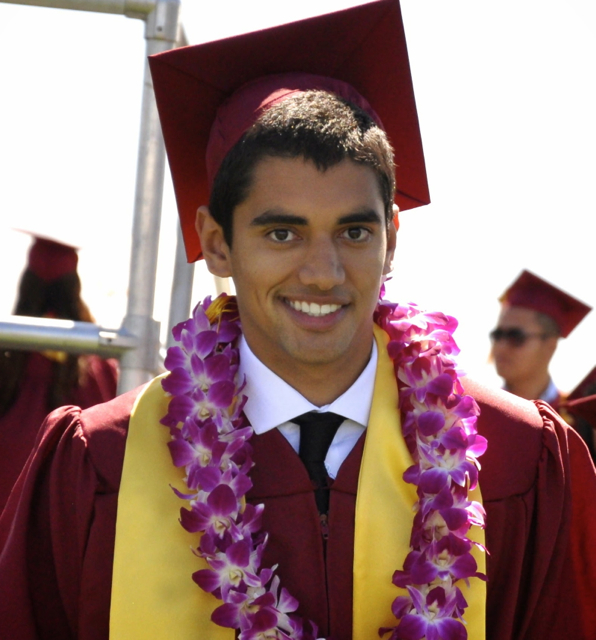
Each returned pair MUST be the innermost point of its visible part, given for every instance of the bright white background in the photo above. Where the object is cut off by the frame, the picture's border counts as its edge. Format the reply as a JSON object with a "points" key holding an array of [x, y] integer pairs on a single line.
{"points": [[507, 106]]}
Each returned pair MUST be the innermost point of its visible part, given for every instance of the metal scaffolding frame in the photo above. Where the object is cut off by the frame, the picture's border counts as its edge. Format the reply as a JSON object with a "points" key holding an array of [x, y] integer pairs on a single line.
{"points": [[136, 342]]}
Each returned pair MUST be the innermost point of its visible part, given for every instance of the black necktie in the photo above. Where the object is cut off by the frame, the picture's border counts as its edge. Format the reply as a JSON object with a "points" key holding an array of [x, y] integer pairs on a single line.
{"points": [[316, 433]]}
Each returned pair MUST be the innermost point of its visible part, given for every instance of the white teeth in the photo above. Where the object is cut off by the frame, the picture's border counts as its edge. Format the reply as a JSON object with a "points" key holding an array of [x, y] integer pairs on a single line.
{"points": [[314, 309]]}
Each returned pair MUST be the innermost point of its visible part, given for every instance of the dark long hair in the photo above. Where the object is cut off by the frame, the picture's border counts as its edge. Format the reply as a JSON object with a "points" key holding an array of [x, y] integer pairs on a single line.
{"points": [[59, 298]]}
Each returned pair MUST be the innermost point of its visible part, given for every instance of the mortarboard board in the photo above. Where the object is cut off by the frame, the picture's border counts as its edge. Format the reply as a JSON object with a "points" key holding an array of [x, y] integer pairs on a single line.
{"points": [[363, 46], [51, 260], [581, 402], [532, 292], [583, 408], [586, 387]]}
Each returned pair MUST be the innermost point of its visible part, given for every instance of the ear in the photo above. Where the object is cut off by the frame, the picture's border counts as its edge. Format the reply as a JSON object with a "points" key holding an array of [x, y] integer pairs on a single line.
{"points": [[215, 248], [391, 241]]}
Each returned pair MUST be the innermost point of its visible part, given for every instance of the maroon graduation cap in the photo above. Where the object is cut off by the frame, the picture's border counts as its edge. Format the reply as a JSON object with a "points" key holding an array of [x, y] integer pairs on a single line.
{"points": [[581, 402], [363, 46], [583, 408], [586, 387], [51, 260], [532, 292]]}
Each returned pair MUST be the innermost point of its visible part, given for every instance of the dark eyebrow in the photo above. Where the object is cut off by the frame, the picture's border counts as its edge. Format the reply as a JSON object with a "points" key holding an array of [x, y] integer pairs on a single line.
{"points": [[368, 215], [278, 217]]}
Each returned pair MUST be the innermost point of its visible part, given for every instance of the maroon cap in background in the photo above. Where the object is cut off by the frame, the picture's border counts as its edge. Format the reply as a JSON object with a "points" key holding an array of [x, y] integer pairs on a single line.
{"points": [[531, 292], [587, 387], [50, 260], [583, 408]]}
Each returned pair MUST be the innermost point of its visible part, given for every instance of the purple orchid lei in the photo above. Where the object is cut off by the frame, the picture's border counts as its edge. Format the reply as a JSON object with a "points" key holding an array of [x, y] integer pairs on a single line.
{"points": [[210, 439]]}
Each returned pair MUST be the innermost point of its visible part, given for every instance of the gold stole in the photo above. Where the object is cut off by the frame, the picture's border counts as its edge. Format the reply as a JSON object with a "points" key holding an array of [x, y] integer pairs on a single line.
{"points": [[153, 594]]}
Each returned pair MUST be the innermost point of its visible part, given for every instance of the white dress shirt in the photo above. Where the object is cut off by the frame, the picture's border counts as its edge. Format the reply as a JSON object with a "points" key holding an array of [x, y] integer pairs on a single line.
{"points": [[551, 393], [272, 403]]}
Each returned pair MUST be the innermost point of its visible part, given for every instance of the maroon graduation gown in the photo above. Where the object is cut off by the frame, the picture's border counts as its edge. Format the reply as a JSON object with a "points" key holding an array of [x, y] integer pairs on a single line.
{"points": [[581, 425], [20, 424], [538, 484]]}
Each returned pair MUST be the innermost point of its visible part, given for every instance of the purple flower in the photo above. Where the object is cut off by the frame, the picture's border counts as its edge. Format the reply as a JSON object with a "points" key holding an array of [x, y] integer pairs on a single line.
{"points": [[195, 444], [213, 404], [428, 375], [271, 609], [215, 516], [232, 569], [449, 558], [263, 627], [228, 331], [431, 617], [239, 610]]}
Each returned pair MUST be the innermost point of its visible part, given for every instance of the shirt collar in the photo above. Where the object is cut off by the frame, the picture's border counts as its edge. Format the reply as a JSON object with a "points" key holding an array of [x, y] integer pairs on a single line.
{"points": [[551, 393], [272, 401]]}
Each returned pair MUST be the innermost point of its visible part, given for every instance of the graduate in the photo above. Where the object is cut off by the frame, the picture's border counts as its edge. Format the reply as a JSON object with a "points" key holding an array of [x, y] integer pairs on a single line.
{"points": [[534, 316], [312, 466], [34, 383]]}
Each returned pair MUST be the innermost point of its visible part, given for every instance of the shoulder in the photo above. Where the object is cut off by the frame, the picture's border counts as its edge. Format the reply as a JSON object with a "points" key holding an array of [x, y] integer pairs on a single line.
{"points": [[109, 417], [104, 429], [93, 437], [520, 434]]}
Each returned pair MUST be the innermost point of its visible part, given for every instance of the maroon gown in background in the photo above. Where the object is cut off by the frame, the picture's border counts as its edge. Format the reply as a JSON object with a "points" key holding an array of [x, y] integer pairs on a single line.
{"points": [[538, 485], [582, 426], [20, 424]]}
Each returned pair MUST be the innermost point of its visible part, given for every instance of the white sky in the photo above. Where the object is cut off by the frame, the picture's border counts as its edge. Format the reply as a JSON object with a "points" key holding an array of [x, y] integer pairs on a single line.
{"points": [[506, 102]]}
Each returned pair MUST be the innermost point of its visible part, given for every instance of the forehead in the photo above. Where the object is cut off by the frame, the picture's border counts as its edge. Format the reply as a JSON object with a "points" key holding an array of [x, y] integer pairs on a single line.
{"points": [[518, 317], [297, 186]]}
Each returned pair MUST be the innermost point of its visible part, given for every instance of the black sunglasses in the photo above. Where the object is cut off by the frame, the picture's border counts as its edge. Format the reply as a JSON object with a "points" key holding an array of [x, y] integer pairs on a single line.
{"points": [[514, 337]]}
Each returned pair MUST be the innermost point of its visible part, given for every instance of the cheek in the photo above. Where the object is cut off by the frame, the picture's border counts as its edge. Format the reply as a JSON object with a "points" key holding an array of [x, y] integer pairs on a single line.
{"points": [[527, 360]]}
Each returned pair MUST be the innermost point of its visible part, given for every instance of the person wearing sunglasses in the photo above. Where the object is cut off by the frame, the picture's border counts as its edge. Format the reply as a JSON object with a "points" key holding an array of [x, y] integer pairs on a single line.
{"points": [[534, 315]]}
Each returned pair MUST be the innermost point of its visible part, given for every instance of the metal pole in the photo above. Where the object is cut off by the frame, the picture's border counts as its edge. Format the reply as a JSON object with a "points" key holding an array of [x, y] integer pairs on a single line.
{"points": [[38, 334], [138, 366], [181, 296], [130, 8]]}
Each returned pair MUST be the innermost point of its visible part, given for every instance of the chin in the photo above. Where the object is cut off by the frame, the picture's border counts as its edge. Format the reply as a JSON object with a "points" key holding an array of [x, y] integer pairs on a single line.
{"points": [[503, 369]]}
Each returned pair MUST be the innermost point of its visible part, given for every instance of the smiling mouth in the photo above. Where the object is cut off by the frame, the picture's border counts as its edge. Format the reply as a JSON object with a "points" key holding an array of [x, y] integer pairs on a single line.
{"points": [[313, 309]]}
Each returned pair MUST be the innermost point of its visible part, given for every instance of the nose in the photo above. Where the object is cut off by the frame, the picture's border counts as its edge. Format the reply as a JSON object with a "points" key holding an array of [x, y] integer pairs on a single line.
{"points": [[322, 266]]}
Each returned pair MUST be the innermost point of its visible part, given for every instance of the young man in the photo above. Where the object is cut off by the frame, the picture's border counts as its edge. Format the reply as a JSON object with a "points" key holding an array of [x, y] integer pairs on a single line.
{"points": [[301, 215], [534, 316]]}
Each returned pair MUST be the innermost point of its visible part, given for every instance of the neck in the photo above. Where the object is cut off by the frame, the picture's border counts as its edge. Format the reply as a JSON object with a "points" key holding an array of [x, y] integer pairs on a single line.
{"points": [[320, 383], [529, 389], [323, 389]]}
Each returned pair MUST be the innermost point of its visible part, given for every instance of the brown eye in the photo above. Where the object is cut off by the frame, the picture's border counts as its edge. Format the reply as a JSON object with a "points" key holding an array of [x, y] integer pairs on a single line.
{"points": [[281, 235], [357, 234]]}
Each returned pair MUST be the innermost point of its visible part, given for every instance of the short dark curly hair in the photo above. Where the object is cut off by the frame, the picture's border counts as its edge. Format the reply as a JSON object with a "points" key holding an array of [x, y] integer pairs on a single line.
{"points": [[315, 125]]}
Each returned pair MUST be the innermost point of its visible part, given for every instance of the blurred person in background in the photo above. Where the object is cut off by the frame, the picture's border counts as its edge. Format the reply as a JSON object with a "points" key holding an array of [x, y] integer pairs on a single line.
{"points": [[534, 316], [34, 383]]}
